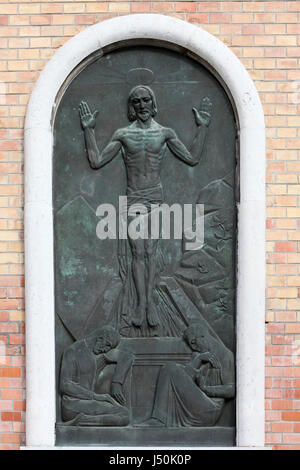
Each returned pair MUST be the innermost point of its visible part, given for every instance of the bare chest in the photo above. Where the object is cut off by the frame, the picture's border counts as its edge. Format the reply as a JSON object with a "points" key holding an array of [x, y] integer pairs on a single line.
{"points": [[142, 141]]}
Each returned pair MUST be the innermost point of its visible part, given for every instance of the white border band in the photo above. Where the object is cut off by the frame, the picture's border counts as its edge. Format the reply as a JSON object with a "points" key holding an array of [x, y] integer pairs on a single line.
{"points": [[39, 255]]}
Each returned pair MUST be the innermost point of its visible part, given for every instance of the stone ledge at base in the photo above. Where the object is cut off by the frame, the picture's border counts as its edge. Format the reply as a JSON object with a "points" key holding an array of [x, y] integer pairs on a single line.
{"points": [[145, 437], [120, 448]]}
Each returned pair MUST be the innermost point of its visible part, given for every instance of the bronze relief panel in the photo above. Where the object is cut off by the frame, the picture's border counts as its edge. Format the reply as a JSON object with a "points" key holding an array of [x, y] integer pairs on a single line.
{"points": [[145, 318]]}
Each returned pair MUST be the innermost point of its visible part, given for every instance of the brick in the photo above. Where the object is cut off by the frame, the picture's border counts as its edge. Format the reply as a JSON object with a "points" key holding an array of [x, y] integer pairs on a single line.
{"points": [[85, 19], [264, 18], [100, 7], [10, 372], [10, 416], [291, 394], [294, 6], [252, 29], [294, 235], [18, 20], [19, 406], [17, 339], [282, 339], [282, 383], [286, 40], [286, 269], [272, 415], [292, 372], [12, 437], [275, 281], [230, 6], [264, 63], [275, 75], [282, 427], [209, 6], [276, 212], [139, 7], [293, 304], [198, 18], [293, 212], [291, 438], [8, 9], [242, 40], [125, 7], [185, 6], [275, 28], [282, 404], [11, 394], [293, 28], [74, 7], [51, 31], [220, 18], [275, 6], [287, 63], [274, 328], [5, 427], [29, 31], [6, 405], [281, 361], [292, 328], [285, 316], [286, 18], [28, 8], [6, 327], [276, 258], [286, 293], [51, 8], [286, 246], [40, 19], [242, 18], [253, 6]]}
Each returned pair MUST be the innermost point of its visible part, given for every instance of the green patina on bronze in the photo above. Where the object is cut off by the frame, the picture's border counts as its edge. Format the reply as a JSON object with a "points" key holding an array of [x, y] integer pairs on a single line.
{"points": [[155, 125]]}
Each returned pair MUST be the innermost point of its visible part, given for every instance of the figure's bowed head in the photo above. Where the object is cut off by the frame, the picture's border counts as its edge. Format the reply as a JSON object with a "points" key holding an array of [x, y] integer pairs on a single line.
{"points": [[197, 339], [106, 338]]}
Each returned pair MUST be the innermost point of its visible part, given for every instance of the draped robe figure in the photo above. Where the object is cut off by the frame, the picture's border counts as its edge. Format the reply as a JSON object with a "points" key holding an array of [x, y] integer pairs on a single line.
{"points": [[194, 394]]}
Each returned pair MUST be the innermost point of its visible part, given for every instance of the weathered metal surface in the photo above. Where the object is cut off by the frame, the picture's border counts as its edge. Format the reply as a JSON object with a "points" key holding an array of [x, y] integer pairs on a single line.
{"points": [[154, 125]]}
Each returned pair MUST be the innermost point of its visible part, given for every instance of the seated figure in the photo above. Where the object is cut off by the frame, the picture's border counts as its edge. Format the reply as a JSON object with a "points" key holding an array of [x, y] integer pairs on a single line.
{"points": [[86, 366], [194, 394]]}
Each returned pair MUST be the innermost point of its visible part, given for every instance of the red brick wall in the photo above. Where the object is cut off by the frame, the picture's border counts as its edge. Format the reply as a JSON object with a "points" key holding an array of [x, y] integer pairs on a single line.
{"points": [[265, 36]]}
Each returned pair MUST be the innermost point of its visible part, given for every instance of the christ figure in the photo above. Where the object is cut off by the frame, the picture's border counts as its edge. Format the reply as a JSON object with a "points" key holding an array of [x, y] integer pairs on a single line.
{"points": [[143, 144]]}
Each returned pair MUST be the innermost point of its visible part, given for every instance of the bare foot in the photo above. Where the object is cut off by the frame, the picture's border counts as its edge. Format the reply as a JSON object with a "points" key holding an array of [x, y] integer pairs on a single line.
{"points": [[139, 314], [152, 317]]}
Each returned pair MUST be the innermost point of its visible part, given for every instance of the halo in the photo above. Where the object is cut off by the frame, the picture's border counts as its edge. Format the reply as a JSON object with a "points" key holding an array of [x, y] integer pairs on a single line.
{"points": [[139, 76]]}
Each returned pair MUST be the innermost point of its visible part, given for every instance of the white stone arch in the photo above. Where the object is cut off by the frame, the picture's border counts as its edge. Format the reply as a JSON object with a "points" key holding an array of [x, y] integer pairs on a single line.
{"points": [[39, 254]]}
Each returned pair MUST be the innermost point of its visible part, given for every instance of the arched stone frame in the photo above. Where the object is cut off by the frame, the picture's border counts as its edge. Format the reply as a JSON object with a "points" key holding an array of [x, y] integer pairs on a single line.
{"points": [[39, 253]]}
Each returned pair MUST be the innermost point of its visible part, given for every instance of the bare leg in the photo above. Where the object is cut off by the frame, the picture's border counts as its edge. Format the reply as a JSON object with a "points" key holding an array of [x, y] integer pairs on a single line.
{"points": [[139, 272], [151, 246]]}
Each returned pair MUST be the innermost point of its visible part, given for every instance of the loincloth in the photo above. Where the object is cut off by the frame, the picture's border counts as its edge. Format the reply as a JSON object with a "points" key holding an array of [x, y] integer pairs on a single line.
{"points": [[144, 198]]}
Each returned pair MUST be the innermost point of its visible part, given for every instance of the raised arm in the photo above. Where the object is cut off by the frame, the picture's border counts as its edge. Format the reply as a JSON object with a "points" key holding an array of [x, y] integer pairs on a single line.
{"points": [[97, 159], [202, 119]]}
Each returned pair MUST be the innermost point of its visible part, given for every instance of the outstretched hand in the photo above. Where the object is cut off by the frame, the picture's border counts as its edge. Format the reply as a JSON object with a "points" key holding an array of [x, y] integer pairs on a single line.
{"points": [[203, 115], [88, 120]]}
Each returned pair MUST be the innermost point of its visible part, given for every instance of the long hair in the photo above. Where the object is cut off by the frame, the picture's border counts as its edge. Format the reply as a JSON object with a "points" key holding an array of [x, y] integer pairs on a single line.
{"points": [[131, 112]]}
